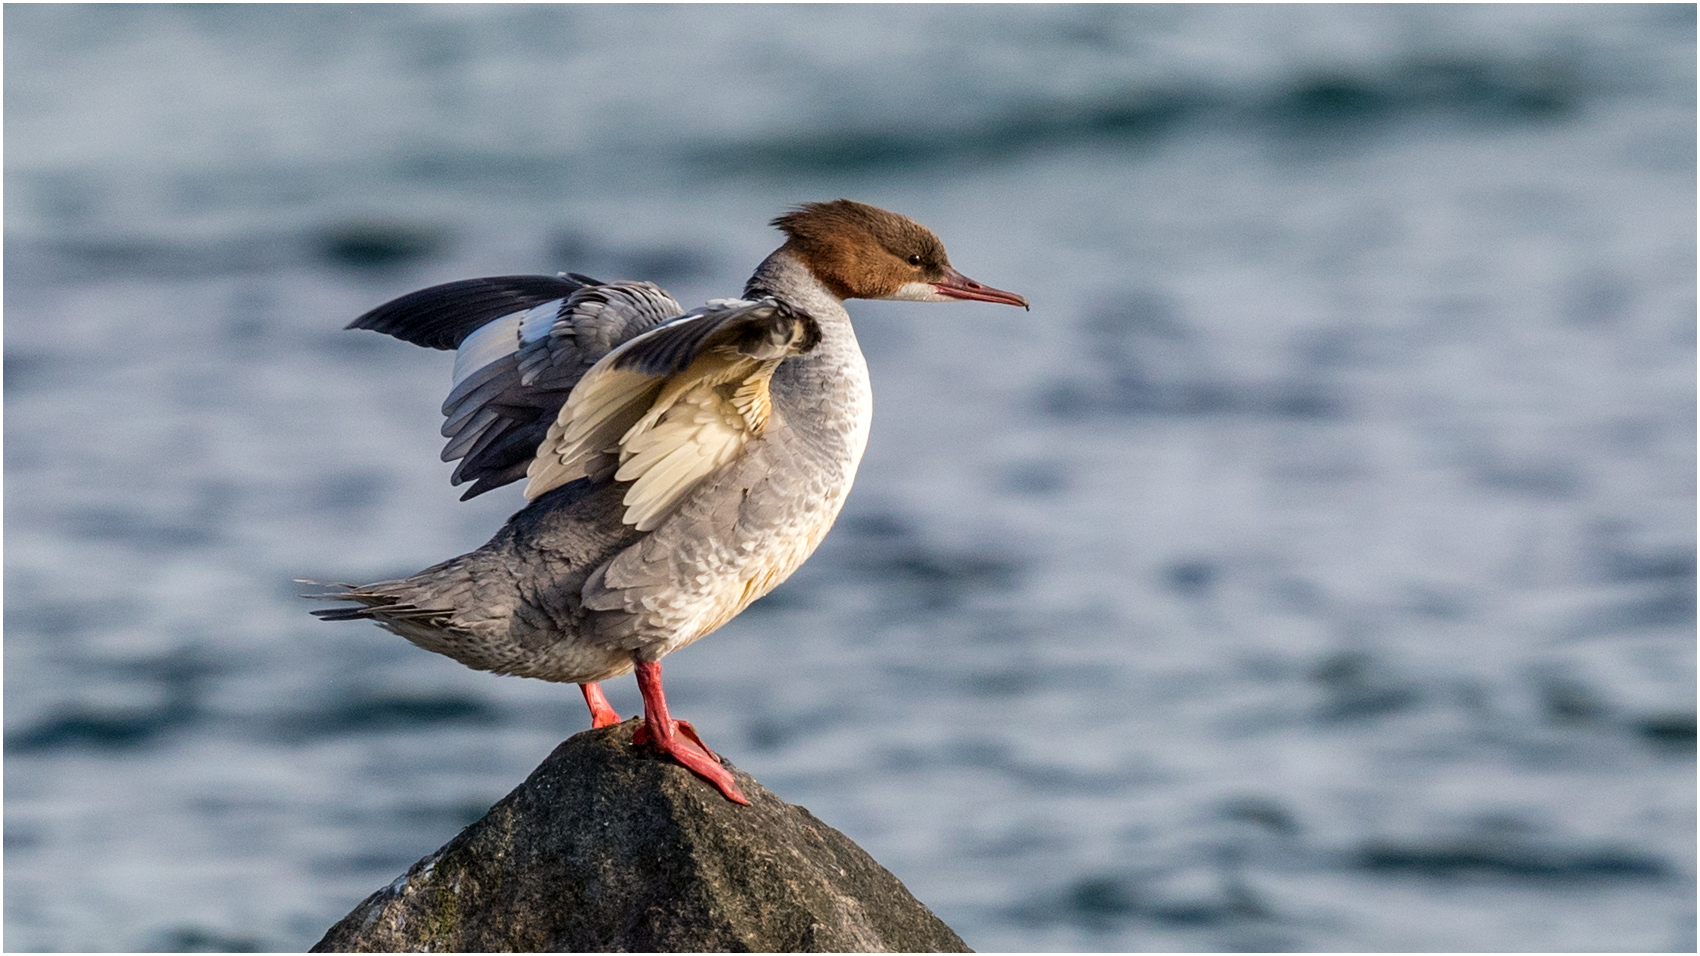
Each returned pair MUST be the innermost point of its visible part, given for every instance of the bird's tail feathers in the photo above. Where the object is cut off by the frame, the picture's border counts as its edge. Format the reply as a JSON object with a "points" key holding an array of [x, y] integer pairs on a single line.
{"points": [[377, 603]]}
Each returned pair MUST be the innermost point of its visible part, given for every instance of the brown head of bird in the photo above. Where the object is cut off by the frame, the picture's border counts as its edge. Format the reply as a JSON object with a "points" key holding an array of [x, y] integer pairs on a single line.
{"points": [[860, 251]]}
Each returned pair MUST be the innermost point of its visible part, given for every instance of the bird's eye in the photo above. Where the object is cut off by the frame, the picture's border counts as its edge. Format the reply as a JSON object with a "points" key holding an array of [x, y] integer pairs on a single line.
{"points": [[914, 260]]}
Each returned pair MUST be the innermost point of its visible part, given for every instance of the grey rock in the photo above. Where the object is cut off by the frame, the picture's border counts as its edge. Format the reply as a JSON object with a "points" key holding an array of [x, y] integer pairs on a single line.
{"points": [[607, 847]]}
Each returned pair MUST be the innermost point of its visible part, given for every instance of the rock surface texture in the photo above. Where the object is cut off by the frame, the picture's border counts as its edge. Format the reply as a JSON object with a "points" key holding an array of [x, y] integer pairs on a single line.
{"points": [[608, 848]]}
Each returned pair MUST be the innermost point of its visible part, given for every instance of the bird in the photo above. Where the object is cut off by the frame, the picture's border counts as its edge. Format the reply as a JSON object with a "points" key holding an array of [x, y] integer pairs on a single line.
{"points": [[678, 464]]}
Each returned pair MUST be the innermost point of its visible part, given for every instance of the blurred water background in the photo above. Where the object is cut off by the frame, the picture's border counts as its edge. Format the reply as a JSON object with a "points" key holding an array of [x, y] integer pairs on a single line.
{"points": [[1312, 568]]}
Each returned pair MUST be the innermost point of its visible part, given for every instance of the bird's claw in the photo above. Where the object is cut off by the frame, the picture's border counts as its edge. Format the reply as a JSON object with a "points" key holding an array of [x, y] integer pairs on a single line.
{"points": [[641, 736], [684, 745]]}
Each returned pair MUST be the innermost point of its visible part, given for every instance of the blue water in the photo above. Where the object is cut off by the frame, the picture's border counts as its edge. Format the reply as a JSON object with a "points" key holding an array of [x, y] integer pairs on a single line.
{"points": [[1313, 568]]}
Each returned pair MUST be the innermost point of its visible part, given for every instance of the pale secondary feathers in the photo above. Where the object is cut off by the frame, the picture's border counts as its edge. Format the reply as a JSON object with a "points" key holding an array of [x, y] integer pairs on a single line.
{"points": [[673, 404]]}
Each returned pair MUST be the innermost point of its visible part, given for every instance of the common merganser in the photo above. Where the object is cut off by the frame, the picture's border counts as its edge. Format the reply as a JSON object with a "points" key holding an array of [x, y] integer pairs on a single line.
{"points": [[679, 465]]}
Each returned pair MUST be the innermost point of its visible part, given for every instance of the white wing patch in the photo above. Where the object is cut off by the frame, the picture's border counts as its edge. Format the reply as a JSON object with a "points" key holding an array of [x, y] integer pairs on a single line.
{"points": [[541, 320], [492, 342]]}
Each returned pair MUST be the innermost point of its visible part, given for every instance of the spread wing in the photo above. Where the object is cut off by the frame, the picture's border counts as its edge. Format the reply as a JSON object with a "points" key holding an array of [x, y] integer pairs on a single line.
{"points": [[667, 408], [522, 343]]}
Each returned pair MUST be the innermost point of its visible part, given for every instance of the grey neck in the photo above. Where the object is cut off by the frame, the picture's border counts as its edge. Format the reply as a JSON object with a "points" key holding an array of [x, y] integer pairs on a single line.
{"points": [[784, 277], [824, 391]]}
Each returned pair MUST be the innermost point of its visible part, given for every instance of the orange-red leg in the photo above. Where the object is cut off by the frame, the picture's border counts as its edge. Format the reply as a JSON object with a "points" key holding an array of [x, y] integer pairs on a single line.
{"points": [[601, 712], [677, 738]]}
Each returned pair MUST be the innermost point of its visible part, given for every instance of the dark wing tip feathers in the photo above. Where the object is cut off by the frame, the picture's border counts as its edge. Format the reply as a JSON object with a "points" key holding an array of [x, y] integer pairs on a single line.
{"points": [[442, 316]]}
